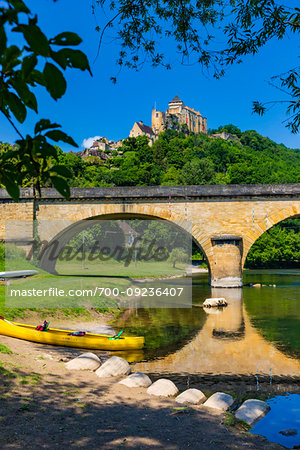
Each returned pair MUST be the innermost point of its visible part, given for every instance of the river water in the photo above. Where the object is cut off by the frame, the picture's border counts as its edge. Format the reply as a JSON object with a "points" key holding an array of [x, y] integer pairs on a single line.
{"points": [[255, 339]]}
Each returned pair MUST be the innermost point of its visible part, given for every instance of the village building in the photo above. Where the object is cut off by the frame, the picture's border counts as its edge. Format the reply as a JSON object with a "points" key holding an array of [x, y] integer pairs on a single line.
{"points": [[139, 129], [93, 152], [101, 145]]}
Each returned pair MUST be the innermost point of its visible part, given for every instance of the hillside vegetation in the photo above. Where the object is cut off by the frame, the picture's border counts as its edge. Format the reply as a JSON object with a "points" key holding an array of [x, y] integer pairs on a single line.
{"points": [[179, 159]]}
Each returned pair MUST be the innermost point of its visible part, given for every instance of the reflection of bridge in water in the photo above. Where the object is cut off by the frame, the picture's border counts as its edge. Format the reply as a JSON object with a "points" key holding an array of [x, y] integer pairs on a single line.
{"points": [[227, 344]]}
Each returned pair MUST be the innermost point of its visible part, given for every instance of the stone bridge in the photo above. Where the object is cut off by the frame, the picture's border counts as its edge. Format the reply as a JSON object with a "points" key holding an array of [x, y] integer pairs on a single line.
{"points": [[225, 220]]}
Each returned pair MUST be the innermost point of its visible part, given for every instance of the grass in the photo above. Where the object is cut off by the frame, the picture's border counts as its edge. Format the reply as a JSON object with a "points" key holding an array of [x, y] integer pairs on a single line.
{"points": [[112, 267], [42, 281], [5, 350], [33, 379], [76, 307], [232, 422], [71, 393], [5, 372]]}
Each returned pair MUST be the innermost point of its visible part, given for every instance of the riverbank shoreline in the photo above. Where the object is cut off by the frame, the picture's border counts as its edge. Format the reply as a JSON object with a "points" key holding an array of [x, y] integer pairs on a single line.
{"points": [[77, 409]]}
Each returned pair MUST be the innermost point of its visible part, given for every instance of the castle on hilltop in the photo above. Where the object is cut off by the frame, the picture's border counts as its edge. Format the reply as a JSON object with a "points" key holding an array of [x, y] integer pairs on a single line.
{"points": [[177, 117]]}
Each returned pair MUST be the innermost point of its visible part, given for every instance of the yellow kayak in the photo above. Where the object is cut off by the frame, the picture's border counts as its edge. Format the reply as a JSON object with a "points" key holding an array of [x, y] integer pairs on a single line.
{"points": [[55, 336]]}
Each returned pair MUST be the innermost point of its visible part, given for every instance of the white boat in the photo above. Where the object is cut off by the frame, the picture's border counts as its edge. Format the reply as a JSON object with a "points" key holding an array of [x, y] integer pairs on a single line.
{"points": [[18, 273]]}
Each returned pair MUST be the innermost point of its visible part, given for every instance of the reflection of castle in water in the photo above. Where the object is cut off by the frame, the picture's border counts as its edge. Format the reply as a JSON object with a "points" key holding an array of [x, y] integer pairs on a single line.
{"points": [[226, 344]]}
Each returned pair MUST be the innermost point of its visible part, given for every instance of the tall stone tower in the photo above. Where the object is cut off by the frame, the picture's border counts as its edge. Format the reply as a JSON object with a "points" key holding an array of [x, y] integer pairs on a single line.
{"points": [[175, 106], [158, 121]]}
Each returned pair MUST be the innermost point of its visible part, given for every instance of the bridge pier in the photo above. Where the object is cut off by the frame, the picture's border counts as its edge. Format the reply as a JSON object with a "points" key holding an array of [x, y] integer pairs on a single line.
{"points": [[226, 262]]}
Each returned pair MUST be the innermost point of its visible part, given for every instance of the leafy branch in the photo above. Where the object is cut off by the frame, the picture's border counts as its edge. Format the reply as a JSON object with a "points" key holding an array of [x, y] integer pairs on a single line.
{"points": [[196, 28], [37, 61]]}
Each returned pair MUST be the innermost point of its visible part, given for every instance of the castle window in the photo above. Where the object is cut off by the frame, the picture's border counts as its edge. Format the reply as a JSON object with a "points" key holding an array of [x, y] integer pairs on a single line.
{"points": [[157, 114]]}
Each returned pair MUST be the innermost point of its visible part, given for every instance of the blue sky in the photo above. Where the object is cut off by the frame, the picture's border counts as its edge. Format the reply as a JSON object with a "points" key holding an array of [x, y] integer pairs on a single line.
{"points": [[93, 106]]}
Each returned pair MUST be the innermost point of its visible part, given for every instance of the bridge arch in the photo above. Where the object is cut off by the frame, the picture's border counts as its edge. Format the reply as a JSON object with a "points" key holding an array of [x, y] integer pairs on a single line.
{"points": [[263, 226], [69, 230]]}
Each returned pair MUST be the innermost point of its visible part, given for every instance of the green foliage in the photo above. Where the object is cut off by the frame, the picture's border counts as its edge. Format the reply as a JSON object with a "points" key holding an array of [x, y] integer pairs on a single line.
{"points": [[34, 62], [279, 247], [177, 159], [198, 171], [177, 255]]}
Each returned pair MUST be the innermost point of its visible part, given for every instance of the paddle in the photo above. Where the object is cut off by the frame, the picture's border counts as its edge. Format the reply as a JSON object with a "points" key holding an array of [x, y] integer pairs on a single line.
{"points": [[117, 336], [5, 320]]}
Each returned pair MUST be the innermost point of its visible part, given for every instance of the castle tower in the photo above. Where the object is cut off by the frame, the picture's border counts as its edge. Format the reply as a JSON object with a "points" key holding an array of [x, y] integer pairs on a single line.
{"points": [[158, 121], [175, 106]]}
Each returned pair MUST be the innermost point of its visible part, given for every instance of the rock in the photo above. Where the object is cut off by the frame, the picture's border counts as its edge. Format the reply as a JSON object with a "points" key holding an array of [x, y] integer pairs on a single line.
{"points": [[63, 359], [256, 285], [86, 361], [252, 410], [289, 432], [113, 367], [220, 401], [163, 388], [214, 302], [136, 380], [193, 396]]}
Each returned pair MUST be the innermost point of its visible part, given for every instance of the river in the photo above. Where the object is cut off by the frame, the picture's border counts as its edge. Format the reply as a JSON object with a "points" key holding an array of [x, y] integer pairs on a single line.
{"points": [[255, 339]]}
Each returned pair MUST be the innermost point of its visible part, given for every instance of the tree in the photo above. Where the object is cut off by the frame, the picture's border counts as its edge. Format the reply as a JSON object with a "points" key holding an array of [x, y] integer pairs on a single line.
{"points": [[177, 255], [195, 28], [35, 61], [198, 171]]}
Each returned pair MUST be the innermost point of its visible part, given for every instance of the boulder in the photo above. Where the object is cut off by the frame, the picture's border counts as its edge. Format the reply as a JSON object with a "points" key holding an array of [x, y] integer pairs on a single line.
{"points": [[163, 388], [252, 410], [136, 380], [192, 396], [289, 432], [86, 361], [113, 367], [214, 302], [220, 401]]}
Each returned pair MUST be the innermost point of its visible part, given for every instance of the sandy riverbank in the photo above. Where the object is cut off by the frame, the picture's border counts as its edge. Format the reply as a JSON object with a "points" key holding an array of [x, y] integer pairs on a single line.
{"points": [[45, 405]]}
